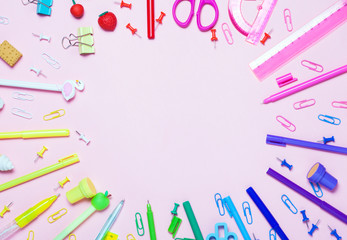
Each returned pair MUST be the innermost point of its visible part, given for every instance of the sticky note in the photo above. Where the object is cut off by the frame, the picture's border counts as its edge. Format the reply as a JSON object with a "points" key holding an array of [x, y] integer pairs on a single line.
{"points": [[9, 54]]}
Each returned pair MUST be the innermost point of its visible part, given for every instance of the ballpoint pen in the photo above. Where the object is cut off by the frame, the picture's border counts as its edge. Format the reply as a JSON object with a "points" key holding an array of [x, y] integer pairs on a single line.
{"points": [[150, 219], [25, 218]]}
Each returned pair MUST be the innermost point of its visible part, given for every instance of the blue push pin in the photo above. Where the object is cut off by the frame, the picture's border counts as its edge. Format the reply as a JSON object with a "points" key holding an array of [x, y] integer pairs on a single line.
{"points": [[333, 232], [304, 217], [326, 140], [284, 163], [314, 228], [255, 237]]}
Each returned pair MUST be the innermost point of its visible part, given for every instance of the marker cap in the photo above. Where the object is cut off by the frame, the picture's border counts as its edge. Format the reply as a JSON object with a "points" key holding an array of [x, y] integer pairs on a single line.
{"points": [[85, 189], [318, 174]]}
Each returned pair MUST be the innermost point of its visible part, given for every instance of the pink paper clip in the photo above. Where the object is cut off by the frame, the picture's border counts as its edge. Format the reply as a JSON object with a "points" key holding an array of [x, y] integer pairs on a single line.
{"points": [[288, 19], [304, 104], [339, 104], [285, 123], [227, 33], [312, 66]]}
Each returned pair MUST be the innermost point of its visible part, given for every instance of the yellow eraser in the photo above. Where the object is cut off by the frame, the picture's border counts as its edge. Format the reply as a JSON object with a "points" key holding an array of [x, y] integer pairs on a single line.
{"points": [[110, 236], [9, 53]]}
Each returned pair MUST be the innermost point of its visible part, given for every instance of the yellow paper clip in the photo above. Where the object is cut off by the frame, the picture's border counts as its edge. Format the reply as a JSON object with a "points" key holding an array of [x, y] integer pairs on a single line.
{"points": [[31, 231], [55, 216], [72, 235], [133, 238], [54, 114]]}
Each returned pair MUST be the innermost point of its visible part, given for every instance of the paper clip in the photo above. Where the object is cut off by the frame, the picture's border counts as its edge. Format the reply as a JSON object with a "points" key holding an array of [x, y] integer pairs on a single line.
{"points": [[51, 61], [227, 34], [72, 40], [339, 104], [288, 19], [249, 212], [55, 216], [33, 235], [133, 238], [317, 190], [220, 207], [72, 235], [312, 66], [23, 96], [272, 234], [139, 228], [289, 204], [55, 114], [285, 123], [21, 113], [304, 104], [4, 20], [329, 119]]}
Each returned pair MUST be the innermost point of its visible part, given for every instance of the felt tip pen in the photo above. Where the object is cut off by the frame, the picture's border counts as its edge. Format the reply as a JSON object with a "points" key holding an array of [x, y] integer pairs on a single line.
{"points": [[150, 219], [35, 134], [27, 217]]}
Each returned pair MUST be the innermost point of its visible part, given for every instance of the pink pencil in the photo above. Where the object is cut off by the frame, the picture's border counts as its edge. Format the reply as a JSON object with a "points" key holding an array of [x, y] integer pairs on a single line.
{"points": [[307, 84]]}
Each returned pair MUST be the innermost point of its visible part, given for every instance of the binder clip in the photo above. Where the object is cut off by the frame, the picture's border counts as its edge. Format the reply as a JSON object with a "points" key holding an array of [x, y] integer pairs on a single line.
{"points": [[84, 40], [43, 6]]}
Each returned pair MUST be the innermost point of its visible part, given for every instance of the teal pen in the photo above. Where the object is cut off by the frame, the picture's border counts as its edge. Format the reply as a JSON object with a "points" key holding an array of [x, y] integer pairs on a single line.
{"points": [[150, 222]]}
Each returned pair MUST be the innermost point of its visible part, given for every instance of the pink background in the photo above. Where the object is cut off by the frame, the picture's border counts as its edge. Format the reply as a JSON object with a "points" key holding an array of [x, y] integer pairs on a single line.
{"points": [[170, 119]]}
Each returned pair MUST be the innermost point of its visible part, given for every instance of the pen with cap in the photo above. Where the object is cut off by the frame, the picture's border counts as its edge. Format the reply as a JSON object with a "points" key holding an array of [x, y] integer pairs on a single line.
{"points": [[151, 225], [35, 134]]}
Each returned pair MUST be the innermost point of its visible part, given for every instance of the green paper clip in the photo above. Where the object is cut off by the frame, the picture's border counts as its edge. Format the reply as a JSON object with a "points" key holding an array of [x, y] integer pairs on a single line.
{"points": [[141, 228]]}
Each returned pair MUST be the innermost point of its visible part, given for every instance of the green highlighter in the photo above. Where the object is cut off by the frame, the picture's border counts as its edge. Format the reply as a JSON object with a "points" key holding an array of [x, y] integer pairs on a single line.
{"points": [[192, 221]]}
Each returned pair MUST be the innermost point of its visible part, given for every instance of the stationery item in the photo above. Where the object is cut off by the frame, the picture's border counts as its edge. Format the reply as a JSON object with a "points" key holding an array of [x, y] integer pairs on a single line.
{"points": [[304, 104], [174, 226], [110, 220], [84, 40], [266, 213], [339, 104], [42, 37], [202, 3], [255, 238], [325, 206], [334, 233], [327, 140], [98, 203], [5, 163], [247, 208], [329, 119], [27, 217], [192, 221], [318, 174], [111, 236], [159, 20], [306, 84], [50, 60], [317, 190], [57, 215], [35, 134], [53, 115], [139, 227], [272, 234], [214, 38], [285, 80], [150, 220], [266, 37], [289, 204], [21, 113], [150, 19], [305, 219], [219, 202], [23, 96], [132, 237], [4, 20], [6, 209], [68, 88], [9, 54], [37, 71], [312, 66], [283, 141], [124, 4], [31, 235], [64, 162], [132, 29], [1, 104], [288, 19], [44, 7], [76, 10], [174, 211], [40, 153], [286, 123], [226, 234], [62, 183], [83, 137], [85, 189], [314, 228], [300, 40], [227, 33], [231, 209], [285, 163]]}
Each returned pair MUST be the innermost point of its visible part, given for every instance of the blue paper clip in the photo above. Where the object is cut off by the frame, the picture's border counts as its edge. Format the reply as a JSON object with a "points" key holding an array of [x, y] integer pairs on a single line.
{"points": [[139, 228], [316, 191], [249, 212], [329, 119], [220, 207], [289, 204], [272, 234]]}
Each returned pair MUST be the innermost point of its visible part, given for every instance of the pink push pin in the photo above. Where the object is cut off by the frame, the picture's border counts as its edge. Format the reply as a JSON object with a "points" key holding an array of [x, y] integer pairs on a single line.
{"points": [[37, 71], [132, 29], [42, 37], [214, 38], [83, 138], [160, 19]]}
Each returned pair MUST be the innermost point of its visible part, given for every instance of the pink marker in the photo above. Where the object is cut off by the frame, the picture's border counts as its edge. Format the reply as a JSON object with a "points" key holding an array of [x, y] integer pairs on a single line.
{"points": [[307, 84]]}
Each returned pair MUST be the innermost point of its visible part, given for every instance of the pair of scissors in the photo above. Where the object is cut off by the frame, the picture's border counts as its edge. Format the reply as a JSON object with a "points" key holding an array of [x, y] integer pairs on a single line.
{"points": [[198, 14], [227, 235]]}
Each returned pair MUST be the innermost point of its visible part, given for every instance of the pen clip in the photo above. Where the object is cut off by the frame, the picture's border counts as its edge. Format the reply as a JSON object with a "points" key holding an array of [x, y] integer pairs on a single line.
{"points": [[275, 140], [67, 158], [226, 205]]}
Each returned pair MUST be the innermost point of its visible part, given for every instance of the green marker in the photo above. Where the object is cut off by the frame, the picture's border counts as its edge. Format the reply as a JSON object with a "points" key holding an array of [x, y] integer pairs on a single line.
{"points": [[192, 221], [150, 222]]}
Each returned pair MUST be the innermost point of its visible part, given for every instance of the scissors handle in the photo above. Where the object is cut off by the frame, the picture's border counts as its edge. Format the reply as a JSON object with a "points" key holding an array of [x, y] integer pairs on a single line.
{"points": [[187, 22], [213, 4]]}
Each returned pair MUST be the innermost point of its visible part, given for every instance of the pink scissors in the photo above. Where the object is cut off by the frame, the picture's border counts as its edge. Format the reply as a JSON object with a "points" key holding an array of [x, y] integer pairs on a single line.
{"points": [[201, 5]]}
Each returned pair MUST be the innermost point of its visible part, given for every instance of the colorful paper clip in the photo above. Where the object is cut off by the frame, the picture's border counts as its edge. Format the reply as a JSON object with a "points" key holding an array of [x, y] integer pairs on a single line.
{"points": [[304, 104], [329, 119], [55, 114], [132, 237], [139, 229], [55, 216], [21, 113], [272, 234], [312, 66], [285, 123], [31, 235], [22, 96], [219, 202], [51, 61], [249, 219], [4, 20], [227, 33], [288, 19], [289, 204], [317, 190], [72, 235], [339, 104]]}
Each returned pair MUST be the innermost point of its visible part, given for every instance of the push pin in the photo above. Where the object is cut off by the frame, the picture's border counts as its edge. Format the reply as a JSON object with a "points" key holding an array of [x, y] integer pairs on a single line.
{"points": [[6, 209], [304, 217], [314, 228], [42, 37], [284, 163], [334, 233], [160, 19], [133, 30], [327, 140], [174, 211], [255, 237], [266, 37], [37, 71], [83, 138], [214, 38], [62, 183], [40, 153], [123, 4]]}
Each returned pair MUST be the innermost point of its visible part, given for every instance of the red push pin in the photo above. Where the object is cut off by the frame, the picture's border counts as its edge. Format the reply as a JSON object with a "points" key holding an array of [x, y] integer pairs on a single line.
{"points": [[214, 38], [133, 30], [160, 19], [123, 4], [266, 37]]}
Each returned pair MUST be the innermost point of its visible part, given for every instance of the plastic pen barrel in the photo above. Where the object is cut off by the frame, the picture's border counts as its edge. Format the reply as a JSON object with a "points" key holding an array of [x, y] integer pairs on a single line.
{"points": [[192, 221], [36, 134], [151, 225], [150, 19]]}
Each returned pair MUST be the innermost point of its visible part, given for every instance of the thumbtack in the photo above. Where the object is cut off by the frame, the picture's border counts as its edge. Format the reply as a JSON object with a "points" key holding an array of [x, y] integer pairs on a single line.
{"points": [[133, 30], [160, 19], [314, 228], [37, 71], [285, 163], [255, 237], [266, 37], [83, 138], [40, 153], [6, 209], [127, 5], [334, 233], [174, 211], [62, 183], [214, 38], [326, 140], [42, 37], [304, 217]]}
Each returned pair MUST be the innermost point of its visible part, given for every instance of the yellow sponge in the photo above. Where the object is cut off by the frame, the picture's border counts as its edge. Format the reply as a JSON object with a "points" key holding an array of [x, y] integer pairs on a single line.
{"points": [[9, 54]]}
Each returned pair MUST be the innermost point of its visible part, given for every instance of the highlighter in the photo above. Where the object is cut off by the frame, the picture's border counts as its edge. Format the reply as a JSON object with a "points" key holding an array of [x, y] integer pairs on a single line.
{"points": [[35, 134]]}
